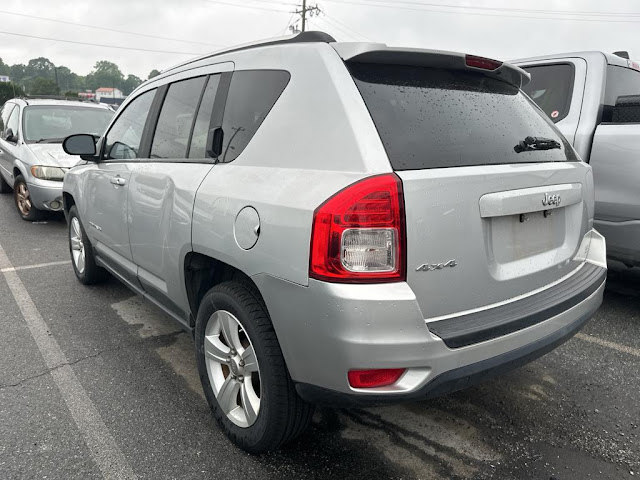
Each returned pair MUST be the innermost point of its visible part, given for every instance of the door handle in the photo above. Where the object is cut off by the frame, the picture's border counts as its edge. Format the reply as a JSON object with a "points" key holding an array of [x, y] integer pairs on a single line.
{"points": [[118, 181]]}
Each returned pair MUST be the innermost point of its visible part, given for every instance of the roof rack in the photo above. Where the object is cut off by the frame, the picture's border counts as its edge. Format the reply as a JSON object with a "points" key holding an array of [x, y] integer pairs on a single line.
{"points": [[303, 37]]}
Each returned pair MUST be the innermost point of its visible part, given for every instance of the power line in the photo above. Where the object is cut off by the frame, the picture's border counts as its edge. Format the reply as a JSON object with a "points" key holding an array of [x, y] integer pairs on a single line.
{"points": [[428, 9], [346, 27], [251, 7], [97, 44], [304, 10], [105, 28], [521, 10]]}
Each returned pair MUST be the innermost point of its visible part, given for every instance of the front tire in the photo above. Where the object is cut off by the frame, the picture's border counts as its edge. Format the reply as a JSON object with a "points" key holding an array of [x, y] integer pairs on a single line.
{"points": [[243, 372], [22, 197], [82, 256]]}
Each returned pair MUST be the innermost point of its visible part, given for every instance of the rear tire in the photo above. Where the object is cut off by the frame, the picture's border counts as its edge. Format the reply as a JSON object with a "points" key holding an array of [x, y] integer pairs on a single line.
{"points": [[82, 256], [22, 197], [4, 186], [281, 414]]}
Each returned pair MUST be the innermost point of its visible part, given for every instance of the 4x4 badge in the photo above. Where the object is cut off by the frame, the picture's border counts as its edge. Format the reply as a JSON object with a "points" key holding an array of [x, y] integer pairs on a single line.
{"points": [[430, 267]]}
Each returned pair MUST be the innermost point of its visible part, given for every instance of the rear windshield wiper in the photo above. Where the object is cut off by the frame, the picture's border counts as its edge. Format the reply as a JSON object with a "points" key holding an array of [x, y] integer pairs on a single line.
{"points": [[536, 143]]}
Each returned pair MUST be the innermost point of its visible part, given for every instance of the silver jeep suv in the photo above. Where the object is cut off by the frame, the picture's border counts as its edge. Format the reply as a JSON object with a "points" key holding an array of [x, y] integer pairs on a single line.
{"points": [[340, 223]]}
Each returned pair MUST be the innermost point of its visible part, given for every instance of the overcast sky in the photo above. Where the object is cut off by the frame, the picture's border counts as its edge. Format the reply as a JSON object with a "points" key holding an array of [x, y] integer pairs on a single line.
{"points": [[501, 29]]}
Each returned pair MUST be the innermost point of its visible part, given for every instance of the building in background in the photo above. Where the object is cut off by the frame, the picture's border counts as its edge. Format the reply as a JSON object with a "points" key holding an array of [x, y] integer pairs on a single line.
{"points": [[105, 94], [4, 79]]}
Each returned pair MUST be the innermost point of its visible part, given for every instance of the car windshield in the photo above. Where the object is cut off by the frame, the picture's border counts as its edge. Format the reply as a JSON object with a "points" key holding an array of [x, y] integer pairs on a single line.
{"points": [[54, 123]]}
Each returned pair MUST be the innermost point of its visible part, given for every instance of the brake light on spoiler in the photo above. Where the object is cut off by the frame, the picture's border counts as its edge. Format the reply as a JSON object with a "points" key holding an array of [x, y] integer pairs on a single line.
{"points": [[482, 62]]}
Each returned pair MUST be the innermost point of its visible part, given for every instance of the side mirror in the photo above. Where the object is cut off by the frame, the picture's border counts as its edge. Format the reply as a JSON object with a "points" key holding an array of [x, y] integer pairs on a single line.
{"points": [[627, 109], [9, 136], [81, 144]]}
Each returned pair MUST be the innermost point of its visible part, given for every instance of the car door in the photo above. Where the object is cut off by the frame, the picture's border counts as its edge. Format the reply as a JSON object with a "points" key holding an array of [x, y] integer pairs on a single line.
{"points": [[9, 119], [163, 187], [105, 216]]}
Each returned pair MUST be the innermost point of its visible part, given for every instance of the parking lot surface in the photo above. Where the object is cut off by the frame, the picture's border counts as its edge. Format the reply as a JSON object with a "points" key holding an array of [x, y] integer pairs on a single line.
{"points": [[94, 382]]}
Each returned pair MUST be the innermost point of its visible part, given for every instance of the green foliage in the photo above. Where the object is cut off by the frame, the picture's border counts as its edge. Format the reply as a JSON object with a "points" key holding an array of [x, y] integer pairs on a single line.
{"points": [[130, 84], [9, 90], [105, 74], [44, 86], [153, 73], [71, 94], [41, 77]]}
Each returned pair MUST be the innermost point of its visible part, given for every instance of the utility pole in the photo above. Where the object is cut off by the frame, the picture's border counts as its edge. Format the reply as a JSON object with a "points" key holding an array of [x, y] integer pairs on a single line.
{"points": [[314, 10]]}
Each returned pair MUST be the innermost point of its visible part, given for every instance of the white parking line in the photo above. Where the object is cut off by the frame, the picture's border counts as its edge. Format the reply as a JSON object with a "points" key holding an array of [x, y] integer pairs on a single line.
{"points": [[37, 265], [101, 445], [612, 345]]}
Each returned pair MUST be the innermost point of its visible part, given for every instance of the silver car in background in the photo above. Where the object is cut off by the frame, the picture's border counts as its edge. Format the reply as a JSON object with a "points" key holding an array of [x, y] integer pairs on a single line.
{"points": [[594, 100], [32, 162], [340, 223]]}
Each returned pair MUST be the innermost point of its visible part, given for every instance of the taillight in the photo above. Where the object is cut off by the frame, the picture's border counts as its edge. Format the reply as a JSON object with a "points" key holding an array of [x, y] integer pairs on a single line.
{"points": [[374, 378], [358, 234], [482, 62]]}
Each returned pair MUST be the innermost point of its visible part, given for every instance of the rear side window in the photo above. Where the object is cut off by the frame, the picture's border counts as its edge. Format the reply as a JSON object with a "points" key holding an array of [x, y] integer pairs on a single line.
{"points": [[176, 118], [251, 97], [621, 81], [551, 87], [198, 148], [123, 139], [435, 118]]}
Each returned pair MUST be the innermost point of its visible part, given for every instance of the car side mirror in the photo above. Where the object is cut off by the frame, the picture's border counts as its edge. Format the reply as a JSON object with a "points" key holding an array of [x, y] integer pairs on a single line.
{"points": [[81, 144], [627, 109], [9, 136]]}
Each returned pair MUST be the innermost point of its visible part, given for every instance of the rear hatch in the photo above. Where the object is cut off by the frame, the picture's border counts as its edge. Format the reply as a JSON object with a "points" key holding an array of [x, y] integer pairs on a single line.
{"points": [[488, 218]]}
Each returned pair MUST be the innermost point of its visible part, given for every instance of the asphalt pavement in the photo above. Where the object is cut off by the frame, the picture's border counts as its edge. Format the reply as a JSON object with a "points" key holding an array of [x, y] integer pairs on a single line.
{"points": [[96, 383]]}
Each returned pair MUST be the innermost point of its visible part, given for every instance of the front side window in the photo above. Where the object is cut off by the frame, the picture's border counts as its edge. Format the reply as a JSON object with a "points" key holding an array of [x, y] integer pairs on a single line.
{"points": [[4, 115], [14, 122], [171, 138], [252, 95], [123, 139], [52, 124], [551, 87]]}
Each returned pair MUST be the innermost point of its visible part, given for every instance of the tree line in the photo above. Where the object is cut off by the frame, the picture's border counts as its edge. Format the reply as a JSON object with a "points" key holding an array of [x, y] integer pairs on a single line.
{"points": [[41, 77]]}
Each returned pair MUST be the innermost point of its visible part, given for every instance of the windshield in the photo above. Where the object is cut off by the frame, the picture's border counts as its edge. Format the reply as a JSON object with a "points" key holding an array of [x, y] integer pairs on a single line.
{"points": [[435, 118], [54, 123]]}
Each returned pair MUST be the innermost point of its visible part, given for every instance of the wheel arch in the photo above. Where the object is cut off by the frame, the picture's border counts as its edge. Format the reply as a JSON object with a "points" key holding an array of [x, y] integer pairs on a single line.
{"points": [[202, 273]]}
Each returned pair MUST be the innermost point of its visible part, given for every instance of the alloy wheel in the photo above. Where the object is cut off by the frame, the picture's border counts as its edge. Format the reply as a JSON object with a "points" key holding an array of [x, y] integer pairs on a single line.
{"points": [[23, 199], [77, 245], [233, 368]]}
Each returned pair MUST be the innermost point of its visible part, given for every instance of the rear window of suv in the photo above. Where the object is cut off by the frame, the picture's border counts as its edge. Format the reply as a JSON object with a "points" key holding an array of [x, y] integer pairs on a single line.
{"points": [[551, 87], [435, 118]]}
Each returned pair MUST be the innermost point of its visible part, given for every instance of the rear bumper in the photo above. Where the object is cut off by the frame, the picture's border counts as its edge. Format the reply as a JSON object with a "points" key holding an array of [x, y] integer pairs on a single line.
{"points": [[461, 377], [326, 329], [46, 197], [623, 240]]}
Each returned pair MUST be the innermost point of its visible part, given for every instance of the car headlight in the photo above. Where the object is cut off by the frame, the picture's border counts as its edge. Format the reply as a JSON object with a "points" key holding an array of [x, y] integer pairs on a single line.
{"points": [[48, 173]]}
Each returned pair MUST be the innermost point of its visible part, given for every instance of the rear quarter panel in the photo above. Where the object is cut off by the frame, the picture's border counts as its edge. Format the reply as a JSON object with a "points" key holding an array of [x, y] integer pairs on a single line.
{"points": [[317, 139]]}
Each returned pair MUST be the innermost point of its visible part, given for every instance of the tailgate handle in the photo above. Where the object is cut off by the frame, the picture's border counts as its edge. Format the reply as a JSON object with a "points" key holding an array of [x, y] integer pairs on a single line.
{"points": [[527, 200]]}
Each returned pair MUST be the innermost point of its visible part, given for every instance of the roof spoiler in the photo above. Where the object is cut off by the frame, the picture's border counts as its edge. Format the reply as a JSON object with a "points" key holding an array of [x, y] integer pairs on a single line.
{"points": [[380, 53]]}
